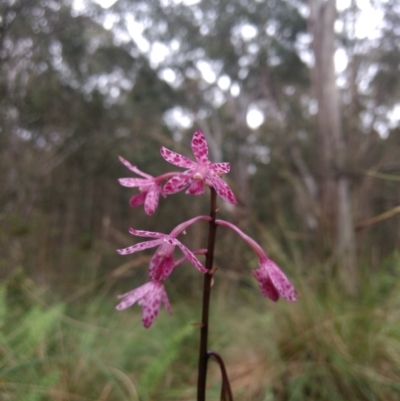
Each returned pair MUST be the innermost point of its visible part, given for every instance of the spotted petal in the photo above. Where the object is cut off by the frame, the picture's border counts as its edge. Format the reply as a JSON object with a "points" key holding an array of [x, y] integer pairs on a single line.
{"points": [[220, 168], [265, 284], [200, 147], [178, 182], [149, 296], [142, 233], [133, 296], [222, 188], [134, 182], [176, 158], [138, 200], [151, 203], [139, 247], [191, 257], [196, 188], [133, 168], [161, 266], [151, 307], [280, 281], [165, 300]]}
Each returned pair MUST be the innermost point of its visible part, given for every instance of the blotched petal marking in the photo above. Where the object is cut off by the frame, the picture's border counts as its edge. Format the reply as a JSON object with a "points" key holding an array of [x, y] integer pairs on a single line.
{"points": [[281, 282], [266, 286], [138, 200], [150, 234], [222, 188], [178, 182], [151, 202], [149, 296], [220, 168], [200, 147], [176, 159], [134, 182], [139, 247]]}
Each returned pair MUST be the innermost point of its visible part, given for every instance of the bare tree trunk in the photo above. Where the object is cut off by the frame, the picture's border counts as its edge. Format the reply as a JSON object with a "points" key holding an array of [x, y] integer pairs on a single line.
{"points": [[335, 197]]}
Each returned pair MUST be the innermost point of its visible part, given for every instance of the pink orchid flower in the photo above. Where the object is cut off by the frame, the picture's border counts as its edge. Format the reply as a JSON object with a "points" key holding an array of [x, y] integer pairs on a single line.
{"points": [[201, 172], [162, 263], [149, 187], [149, 296], [271, 280]]}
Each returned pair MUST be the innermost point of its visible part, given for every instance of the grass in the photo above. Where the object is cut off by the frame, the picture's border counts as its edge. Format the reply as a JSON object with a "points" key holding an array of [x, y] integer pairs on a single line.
{"points": [[326, 347]]}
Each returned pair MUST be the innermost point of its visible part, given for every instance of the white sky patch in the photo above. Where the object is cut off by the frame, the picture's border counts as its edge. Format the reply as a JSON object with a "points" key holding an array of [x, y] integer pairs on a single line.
{"points": [[341, 60], [175, 45], [224, 82], [206, 71], [254, 117], [339, 26], [215, 97], [248, 32], [78, 5], [303, 45], [235, 89], [342, 4], [394, 116], [109, 21], [369, 20], [382, 129], [168, 75], [105, 3], [187, 2], [135, 30], [158, 53], [178, 118]]}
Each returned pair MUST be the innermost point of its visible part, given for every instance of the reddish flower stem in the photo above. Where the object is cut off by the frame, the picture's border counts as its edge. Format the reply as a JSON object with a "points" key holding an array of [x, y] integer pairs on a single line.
{"points": [[203, 356], [226, 392]]}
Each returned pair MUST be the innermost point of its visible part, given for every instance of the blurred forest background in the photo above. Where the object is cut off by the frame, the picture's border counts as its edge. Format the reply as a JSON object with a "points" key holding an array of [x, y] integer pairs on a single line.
{"points": [[302, 98]]}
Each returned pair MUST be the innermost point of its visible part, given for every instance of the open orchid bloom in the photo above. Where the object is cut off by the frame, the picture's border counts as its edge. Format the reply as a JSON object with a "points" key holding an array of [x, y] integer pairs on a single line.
{"points": [[272, 281], [149, 296], [162, 263], [149, 187], [198, 173]]}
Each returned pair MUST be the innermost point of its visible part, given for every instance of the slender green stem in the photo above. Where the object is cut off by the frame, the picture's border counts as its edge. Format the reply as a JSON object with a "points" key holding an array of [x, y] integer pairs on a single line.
{"points": [[203, 357]]}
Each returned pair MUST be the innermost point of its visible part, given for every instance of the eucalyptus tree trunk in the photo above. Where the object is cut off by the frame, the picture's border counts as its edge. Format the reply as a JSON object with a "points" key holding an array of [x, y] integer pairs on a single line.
{"points": [[334, 189]]}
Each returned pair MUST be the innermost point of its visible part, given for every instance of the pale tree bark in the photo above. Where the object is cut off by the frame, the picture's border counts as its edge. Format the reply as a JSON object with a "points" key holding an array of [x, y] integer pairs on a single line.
{"points": [[334, 188]]}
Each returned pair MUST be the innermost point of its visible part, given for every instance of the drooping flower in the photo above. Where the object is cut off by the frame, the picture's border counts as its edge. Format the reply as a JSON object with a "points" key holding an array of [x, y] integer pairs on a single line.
{"points": [[149, 296], [162, 263], [272, 281], [198, 173], [149, 187]]}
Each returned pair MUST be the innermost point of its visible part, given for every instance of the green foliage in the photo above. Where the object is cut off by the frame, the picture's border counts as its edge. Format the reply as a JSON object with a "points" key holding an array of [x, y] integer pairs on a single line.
{"points": [[325, 347], [155, 371], [330, 347]]}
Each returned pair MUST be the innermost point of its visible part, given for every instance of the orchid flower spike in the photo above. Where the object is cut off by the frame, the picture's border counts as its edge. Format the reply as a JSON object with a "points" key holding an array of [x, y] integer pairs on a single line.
{"points": [[162, 263], [271, 280], [198, 173], [149, 296]]}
